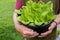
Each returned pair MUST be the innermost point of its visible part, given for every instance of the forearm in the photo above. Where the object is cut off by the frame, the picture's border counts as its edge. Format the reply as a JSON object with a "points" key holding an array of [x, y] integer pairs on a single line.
{"points": [[17, 24], [15, 19], [57, 20]]}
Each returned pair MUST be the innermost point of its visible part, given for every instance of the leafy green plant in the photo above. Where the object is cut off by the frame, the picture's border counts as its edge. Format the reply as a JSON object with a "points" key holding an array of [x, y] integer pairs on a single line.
{"points": [[36, 13]]}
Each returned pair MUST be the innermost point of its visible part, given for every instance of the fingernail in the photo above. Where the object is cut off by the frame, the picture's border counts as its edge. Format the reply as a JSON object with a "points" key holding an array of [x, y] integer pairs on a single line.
{"points": [[36, 33], [39, 36]]}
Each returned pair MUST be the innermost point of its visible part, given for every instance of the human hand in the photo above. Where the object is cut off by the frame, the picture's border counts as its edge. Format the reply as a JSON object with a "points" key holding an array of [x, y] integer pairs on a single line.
{"points": [[26, 32], [50, 29]]}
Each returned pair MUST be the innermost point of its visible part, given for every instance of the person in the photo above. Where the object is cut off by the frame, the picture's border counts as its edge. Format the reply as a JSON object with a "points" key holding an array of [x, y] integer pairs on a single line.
{"points": [[29, 33]]}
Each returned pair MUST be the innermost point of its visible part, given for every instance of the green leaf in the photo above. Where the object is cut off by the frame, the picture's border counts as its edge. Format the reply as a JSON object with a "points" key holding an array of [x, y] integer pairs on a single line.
{"points": [[36, 13]]}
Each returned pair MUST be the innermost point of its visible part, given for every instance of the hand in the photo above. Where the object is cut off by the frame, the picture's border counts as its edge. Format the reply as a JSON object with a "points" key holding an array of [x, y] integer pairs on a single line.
{"points": [[50, 29], [26, 32]]}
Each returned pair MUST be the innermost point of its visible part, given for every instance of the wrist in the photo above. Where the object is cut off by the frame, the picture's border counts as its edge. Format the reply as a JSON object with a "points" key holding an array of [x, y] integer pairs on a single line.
{"points": [[54, 24], [19, 28], [56, 21]]}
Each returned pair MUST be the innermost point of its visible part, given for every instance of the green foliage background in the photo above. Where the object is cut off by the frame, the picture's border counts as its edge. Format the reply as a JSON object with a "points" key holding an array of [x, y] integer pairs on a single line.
{"points": [[7, 29]]}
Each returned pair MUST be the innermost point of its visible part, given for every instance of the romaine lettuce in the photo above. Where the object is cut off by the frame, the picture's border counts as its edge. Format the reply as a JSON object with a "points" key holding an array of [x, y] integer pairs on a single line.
{"points": [[36, 13]]}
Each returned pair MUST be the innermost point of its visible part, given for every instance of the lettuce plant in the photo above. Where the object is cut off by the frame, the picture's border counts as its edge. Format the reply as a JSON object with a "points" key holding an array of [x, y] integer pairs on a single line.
{"points": [[36, 13]]}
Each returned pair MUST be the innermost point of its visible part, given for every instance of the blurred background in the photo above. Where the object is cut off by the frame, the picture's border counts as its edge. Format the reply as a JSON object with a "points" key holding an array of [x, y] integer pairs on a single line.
{"points": [[7, 29]]}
